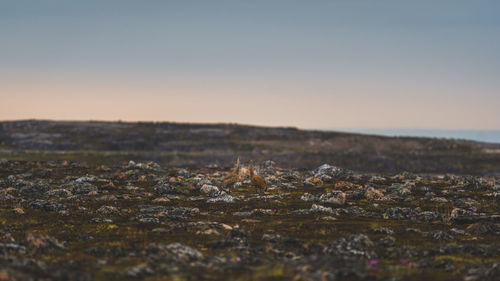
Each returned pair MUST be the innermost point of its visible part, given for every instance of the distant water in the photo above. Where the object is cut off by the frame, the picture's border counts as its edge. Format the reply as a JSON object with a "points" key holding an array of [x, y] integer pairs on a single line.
{"points": [[491, 136]]}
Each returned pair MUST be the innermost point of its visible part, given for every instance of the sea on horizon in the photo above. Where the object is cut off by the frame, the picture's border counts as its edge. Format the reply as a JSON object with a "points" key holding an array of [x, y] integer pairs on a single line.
{"points": [[489, 136]]}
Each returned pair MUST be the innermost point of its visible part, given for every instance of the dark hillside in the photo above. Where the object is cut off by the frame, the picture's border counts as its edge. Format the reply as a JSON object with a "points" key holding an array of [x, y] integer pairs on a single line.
{"points": [[195, 145]]}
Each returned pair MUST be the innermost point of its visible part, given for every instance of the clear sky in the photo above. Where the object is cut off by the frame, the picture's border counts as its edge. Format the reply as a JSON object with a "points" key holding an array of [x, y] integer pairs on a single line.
{"points": [[312, 64]]}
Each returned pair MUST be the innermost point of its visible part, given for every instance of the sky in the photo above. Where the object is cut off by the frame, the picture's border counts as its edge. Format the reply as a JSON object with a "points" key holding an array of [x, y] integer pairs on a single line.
{"points": [[314, 64]]}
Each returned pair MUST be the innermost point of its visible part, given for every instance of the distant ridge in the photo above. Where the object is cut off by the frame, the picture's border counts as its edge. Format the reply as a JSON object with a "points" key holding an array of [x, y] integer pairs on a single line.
{"points": [[491, 136], [189, 145]]}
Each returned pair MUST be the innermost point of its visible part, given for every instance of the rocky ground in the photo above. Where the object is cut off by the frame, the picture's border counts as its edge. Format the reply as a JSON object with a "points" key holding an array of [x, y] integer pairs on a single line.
{"points": [[67, 220]]}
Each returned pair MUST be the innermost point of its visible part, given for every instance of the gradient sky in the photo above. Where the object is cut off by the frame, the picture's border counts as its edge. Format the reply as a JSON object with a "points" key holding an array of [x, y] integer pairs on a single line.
{"points": [[312, 64]]}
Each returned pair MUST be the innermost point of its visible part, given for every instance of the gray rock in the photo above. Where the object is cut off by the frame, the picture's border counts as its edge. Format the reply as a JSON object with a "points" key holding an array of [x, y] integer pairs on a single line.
{"points": [[139, 271], [439, 235], [47, 206], [484, 228], [242, 213], [12, 248], [212, 191], [382, 230], [144, 166], [321, 209], [223, 198], [354, 245], [371, 193], [328, 170], [181, 212], [174, 251], [82, 188], [101, 220], [149, 220], [334, 197], [61, 192], [428, 216], [86, 179], [308, 197], [459, 215], [107, 211], [387, 241]]}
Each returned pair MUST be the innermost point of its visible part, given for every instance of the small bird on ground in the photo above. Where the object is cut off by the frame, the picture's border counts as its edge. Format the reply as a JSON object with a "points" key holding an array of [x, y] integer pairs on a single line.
{"points": [[256, 179], [233, 177]]}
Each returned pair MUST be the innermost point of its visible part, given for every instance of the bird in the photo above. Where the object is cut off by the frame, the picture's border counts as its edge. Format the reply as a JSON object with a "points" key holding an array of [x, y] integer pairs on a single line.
{"points": [[233, 177], [256, 179]]}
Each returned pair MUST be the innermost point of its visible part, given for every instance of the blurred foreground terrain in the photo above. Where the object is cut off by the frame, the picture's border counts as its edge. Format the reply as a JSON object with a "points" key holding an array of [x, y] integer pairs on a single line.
{"points": [[162, 201]]}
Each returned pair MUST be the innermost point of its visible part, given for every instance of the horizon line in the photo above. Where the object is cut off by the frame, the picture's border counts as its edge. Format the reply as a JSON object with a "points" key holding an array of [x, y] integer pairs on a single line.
{"points": [[248, 124]]}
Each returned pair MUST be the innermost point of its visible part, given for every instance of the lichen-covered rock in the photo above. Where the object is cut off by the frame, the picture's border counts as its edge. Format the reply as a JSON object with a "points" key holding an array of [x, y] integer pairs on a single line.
{"points": [[328, 170], [12, 248], [439, 235], [182, 211], [334, 197], [484, 228], [86, 179], [373, 194], [308, 197], [166, 188], [459, 215], [428, 216], [400, 191], [47, 206], [353, 245], [383, 230], [210, 190], [398, 213], [61, 192], [139, 271], [386, 242], [322, 209], [82, 188], [144, 166], [108, 211], [222, 198], [175, 251]]}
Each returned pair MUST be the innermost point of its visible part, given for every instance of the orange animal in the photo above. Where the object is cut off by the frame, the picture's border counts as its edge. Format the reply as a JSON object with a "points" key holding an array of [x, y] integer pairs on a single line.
{"points": [[256, 179], [233, 177]]}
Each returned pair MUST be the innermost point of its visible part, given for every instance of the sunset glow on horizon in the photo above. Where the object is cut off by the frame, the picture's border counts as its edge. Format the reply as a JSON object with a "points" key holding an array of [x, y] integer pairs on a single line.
{"points": [[314, 64]]}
